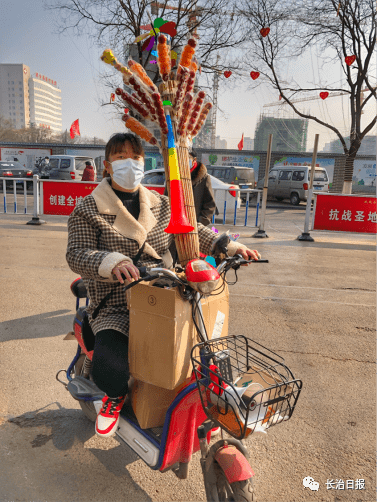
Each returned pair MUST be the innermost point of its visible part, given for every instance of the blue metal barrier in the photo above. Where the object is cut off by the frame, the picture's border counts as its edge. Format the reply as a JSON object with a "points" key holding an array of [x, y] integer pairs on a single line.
{"points": [[237, 206], [16, 196]]}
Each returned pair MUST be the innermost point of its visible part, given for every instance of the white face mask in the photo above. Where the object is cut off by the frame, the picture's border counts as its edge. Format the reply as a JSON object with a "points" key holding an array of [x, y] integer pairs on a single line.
{"points": [[128, 173]]}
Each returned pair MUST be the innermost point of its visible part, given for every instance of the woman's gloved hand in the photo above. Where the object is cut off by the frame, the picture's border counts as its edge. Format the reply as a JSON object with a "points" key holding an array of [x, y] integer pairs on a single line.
{"points": [[128, 269]]}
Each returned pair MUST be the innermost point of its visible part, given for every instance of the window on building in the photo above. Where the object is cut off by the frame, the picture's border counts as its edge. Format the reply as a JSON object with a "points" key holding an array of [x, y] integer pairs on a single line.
{"points": [[12, 82]]}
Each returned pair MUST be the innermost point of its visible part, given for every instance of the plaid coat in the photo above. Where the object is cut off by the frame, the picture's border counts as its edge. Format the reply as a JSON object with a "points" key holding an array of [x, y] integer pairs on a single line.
{"points": [[102, 233]]}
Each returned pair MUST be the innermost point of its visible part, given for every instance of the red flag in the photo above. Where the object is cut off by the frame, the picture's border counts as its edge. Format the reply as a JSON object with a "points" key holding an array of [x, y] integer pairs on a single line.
{"points": [[75, 129], [240, 144]]}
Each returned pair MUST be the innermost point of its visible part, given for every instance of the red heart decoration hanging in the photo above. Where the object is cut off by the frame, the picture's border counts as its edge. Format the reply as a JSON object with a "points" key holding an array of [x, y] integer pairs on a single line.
{"points": [[350, 59], [227, 74], [254, 74], [264, 32], [323, 95]]}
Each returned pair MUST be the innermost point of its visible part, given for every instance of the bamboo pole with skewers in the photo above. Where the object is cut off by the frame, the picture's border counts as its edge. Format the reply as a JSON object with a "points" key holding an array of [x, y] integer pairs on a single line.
{"points": [[169, 105]]}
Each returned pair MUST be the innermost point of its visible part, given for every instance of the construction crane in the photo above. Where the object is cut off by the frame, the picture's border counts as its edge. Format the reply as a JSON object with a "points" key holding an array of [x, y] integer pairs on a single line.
{"points": [[312, 98]]}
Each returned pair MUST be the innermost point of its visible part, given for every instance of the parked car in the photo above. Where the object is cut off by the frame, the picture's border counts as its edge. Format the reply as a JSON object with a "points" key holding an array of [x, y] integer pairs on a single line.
{"points": [[292, 182], [243, 177], [68, 167], [13, 170], [155, 180]]}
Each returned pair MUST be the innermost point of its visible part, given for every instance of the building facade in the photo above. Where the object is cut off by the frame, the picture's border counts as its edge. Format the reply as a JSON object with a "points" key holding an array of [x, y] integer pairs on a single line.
{"points": [[45, 103], [367, 147], [288, 135], [29, 100], [14, 94]]}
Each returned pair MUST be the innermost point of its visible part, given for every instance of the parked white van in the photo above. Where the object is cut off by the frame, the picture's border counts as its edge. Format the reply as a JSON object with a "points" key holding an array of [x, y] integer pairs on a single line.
{"points": [[68, 167], [292, 182]]}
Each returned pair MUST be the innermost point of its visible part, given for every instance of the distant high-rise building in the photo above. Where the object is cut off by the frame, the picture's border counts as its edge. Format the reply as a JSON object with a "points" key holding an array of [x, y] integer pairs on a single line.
{"points": [[289, 135], [221, 144], [14, 94], [29, 100], [248, 143], [367, 147], [45, 103]]}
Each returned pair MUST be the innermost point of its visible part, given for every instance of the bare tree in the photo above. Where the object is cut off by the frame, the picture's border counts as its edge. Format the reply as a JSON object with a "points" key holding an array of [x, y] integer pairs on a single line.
{"points": [[342, 31], [117, 23]]}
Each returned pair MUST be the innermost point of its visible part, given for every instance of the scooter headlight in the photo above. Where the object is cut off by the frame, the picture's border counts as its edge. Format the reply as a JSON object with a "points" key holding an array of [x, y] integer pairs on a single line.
{"points": [[202, 276]]}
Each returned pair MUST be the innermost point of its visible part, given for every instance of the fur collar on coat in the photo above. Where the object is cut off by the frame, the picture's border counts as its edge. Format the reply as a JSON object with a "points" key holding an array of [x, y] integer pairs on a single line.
{"points": [[108, 203]]}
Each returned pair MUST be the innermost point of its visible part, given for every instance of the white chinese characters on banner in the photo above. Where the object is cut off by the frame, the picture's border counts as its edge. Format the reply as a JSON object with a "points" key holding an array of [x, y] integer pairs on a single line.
{"points": [[61, 200], [347, 216]]}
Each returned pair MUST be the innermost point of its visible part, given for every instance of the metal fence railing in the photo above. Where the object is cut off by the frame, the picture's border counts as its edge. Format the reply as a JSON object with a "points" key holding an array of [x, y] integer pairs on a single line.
{"points": [[24, 196], [227, 204]]}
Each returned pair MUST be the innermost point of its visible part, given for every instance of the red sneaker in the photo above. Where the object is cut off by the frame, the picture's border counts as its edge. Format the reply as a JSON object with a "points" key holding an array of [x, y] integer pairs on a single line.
{"points": [[108, 417]]}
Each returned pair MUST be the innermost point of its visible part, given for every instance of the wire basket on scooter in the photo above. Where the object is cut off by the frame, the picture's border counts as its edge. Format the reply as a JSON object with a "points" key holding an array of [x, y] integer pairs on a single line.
{"points": [[244, 387]]}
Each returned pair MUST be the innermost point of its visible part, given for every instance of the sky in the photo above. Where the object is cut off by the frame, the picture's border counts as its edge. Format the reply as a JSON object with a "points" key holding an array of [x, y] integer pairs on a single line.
{"points": [[29, 36]]}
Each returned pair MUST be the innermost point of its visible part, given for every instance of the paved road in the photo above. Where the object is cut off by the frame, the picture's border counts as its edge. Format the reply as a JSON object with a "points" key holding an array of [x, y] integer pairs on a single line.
{"points": [[313, 303]]}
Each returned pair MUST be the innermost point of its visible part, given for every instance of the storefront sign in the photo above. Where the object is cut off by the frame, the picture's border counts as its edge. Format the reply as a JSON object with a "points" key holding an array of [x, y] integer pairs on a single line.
{"points": [[61, 197], [345, 213]]}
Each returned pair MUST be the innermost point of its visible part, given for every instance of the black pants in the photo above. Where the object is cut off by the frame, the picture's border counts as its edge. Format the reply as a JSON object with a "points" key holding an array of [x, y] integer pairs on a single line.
{"points": [[110, 368]]}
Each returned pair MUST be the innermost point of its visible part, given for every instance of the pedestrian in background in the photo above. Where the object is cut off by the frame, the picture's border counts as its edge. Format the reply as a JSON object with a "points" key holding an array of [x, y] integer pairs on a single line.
{"points": [[88, 174], [204, 199]]}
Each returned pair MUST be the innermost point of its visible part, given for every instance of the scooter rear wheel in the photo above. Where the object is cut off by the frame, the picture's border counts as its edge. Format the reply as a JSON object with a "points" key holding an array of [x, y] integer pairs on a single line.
{"points": [[86, 406], [239, 491]]}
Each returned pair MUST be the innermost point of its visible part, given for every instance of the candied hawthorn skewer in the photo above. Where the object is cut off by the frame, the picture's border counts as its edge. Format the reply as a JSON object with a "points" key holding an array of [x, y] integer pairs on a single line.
{"points": [[181, 86], [109, 58], [163, 61], [160, 112], [190, 82], [195, 111], [186, 56], [202, 118], [136, 127], [135, 83], [133, 102], [186, 107], [138, 70]]}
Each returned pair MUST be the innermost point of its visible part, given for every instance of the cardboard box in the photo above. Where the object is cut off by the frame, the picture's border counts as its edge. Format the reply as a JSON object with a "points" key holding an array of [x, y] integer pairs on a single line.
{"points": [[150, 403], [162, 332]]}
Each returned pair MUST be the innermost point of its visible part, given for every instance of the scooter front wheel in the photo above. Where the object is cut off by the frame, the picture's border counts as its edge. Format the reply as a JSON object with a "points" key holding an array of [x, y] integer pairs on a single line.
{"points": [[238, 491]]}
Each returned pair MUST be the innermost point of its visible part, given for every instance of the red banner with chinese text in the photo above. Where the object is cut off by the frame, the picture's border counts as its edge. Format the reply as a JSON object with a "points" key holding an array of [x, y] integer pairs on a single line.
{"points": [[61, 197], [345, 213]]}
